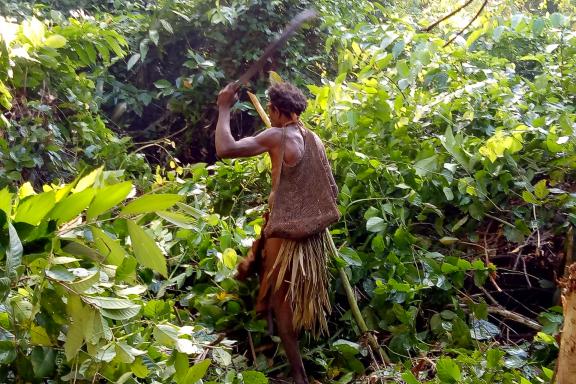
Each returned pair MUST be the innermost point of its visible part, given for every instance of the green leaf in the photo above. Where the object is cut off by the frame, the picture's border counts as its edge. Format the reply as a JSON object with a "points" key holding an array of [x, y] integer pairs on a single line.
{"points": [[447, 370], [85, 283], [447, 240], [6, 201], [375, 224], [43, 361], [133, 60], [350, 256], [197, 371], [88, 180], [139, 369], [254, 377], [107, 198], [540, 189], [75, 335], [529, 197], [7, 352], [146, 250], [154, 36], [72, 206], [166, 26], [108, 247], [55, 41], [109, 302], [151, 203], [409, 378], [425, 166], [494, 358], [34, 208], [13, 253], [121, 314], [178, 219], [229, 258]]}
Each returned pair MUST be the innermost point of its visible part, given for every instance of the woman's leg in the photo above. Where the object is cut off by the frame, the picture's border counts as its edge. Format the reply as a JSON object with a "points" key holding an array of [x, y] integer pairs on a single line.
{"points": [[283, 314]]}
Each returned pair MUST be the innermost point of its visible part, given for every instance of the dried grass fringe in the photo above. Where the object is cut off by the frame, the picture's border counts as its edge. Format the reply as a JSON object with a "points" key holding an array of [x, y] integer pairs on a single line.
{"points": [[303, 264]]}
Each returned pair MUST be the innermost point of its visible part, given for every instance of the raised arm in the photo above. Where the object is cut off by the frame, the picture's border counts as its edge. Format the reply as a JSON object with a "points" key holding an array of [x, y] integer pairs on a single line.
{"points": [[226, 145]]}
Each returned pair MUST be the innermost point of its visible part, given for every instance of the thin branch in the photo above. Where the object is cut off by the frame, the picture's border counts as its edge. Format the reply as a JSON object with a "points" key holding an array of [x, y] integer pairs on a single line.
{"points": [[469, 23], [433, 25]]}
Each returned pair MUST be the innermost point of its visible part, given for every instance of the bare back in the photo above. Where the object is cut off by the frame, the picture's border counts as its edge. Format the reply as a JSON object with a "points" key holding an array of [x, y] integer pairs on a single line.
{"points": [[293, 151]]}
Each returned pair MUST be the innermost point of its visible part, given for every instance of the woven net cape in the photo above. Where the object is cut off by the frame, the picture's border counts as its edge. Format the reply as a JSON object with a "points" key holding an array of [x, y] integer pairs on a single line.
{"points": [[304, 195]]}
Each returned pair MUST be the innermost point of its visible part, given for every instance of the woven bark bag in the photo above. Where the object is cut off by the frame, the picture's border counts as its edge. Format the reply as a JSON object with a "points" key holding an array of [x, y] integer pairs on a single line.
{"points": [[305, 195]]}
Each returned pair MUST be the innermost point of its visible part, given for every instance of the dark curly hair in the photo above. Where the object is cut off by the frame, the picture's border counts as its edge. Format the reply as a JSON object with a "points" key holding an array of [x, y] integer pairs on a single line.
{"points": [[287, 98]]}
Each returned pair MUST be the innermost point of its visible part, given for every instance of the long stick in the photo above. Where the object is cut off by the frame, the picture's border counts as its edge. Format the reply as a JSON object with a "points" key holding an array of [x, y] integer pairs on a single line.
{"points": [[358, 316]]}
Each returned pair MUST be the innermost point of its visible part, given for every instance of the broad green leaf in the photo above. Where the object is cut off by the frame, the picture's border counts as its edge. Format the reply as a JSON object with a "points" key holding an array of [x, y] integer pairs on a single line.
{"points": [[126, 353], [229, 258], [178, 219], [43, 361], [154, 36], [88, 180], [34, 208], [409, 378], [25, 190], [447, 240], [133, 60], [146, 250], [448, 371], [375, 224], [151, 203], [107, 198], [425, 166], [6, 201], [197, 371], [38, 336], [13, 253], [529, 197], [350, 257], [139, 369], [121, 314], [109, 248], [72, 206], [274, 78], [254, 377], [75, 248], [85, 283], [166, 26], [7, 352], [166, 334], [55, 41], [540, 189], [109, 302], [75, 335]]}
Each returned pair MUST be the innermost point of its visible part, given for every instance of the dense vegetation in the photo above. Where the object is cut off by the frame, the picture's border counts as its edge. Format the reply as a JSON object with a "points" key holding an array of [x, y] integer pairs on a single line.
{"points": [[456, 166]]}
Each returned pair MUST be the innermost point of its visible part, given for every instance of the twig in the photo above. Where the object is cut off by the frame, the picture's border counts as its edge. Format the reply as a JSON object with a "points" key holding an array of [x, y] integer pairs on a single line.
{"points": [[358, 317], [490, 275], [509, 315], [469, 23], [521, 319], [569, 250], [251, 344], [538, 246], [500, 220], [434, 24]]}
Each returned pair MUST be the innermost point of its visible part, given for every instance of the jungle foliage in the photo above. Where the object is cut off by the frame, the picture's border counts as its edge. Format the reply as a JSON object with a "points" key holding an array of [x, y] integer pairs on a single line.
{"points": [[456, 167]]}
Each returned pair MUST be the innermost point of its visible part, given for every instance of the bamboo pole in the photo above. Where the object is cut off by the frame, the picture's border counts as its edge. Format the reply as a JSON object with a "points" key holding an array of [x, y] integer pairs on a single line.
{"points": [[259, 109], [565, 367], [358, 317]]}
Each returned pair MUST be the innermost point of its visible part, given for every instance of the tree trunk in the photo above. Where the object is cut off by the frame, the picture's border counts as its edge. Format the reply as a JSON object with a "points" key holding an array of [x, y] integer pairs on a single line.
{"points": [[566, 366]]}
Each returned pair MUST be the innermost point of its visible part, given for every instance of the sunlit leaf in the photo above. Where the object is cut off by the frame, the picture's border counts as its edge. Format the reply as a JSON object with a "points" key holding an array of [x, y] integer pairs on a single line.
{"points": [[146, 250]]}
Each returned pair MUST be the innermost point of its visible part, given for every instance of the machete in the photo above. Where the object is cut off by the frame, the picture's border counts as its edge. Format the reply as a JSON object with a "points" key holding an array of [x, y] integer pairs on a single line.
{"points": [[274, 46]]}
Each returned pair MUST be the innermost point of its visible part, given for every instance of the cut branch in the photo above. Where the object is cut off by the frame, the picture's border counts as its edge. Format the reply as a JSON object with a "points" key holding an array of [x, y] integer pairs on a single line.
{"points": [[358, 317], [469, 23], [433, 25]]}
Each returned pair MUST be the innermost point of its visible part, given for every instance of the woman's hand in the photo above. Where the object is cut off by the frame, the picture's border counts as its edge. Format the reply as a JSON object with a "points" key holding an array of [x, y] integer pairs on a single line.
{"points": [[228, 96]]}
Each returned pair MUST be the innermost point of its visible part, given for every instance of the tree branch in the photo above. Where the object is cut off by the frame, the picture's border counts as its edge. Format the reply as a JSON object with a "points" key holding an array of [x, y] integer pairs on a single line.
{"points": [[469, 23], [433, 25]]}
